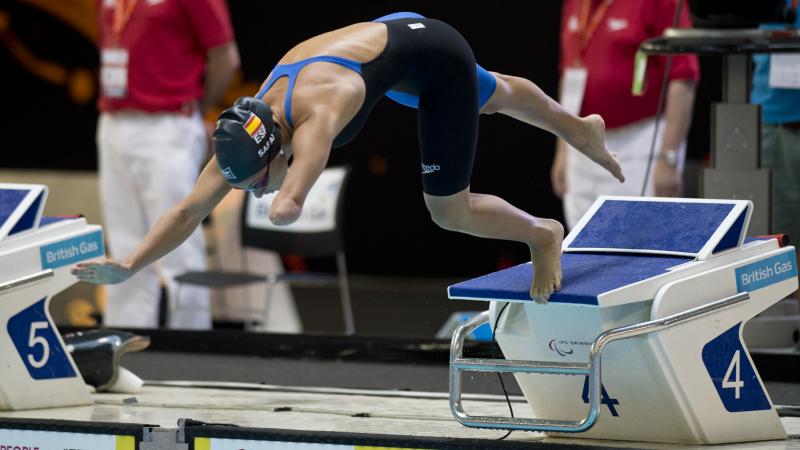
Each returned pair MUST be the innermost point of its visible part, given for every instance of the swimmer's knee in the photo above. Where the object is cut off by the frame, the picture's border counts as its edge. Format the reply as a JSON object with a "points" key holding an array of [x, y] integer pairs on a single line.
{"points": [[448, 221], [448, 215]]}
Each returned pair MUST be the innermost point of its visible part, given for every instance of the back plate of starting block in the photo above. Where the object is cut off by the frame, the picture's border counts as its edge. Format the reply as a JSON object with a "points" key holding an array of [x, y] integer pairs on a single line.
{"points": [[21, 207], [697, 228]]}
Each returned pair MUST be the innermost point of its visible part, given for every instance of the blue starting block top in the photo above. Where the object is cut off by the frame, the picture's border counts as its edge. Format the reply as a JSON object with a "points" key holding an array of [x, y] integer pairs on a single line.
{"points": [[585, 277], [621, 241], [21, 207], [686, 227]]}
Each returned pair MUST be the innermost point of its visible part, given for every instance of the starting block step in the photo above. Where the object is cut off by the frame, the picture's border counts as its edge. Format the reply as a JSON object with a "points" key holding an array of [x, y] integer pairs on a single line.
{"points": [[586, 277]]}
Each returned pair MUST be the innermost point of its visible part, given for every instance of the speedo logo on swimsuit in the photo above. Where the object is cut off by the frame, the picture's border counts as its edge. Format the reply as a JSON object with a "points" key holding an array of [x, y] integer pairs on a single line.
{"points": [[255, 128], [429, 168], [266, 146]]}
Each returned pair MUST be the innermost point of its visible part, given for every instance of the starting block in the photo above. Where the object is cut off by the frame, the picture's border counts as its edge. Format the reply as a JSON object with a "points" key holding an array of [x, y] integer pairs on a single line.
{"points": [[648, 326], [35, 257]]}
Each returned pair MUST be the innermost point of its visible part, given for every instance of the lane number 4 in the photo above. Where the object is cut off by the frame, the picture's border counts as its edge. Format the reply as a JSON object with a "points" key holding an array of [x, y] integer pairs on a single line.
{"points": [[734, 368]]}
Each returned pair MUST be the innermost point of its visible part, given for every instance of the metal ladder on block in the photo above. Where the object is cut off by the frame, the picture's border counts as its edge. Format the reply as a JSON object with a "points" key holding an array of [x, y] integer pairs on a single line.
{"points": [[592, 369]]}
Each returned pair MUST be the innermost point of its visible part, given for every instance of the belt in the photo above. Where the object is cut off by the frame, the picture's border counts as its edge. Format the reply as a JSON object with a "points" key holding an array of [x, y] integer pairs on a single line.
{"points": [[187, 109], [190, 108]]}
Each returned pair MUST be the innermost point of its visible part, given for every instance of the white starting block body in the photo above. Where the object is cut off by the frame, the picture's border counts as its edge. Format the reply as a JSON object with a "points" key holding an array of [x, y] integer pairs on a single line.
{"points": [[634, 260], [35, 257]]}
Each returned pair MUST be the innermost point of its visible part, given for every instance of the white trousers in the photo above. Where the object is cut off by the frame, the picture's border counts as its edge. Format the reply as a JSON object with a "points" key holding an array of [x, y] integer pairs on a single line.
{"points": [[148, 162], [586, 180]]}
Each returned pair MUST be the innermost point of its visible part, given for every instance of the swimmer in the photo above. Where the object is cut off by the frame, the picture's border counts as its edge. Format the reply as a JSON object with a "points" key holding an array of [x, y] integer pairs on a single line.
{"points": [[318, 98]]}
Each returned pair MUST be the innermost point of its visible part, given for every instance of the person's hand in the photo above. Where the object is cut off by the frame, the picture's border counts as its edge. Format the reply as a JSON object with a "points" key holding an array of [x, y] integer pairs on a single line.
{"points": [[667, 181], [558, 172], [105, 271]]}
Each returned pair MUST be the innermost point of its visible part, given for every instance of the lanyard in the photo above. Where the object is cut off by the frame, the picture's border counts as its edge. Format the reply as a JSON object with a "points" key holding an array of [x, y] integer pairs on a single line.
{"points": [[587, 27], [122, 15]]}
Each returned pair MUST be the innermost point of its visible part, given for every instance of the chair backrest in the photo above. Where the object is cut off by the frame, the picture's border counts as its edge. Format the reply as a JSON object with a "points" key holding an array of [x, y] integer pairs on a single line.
{"points": [[318, 231]]}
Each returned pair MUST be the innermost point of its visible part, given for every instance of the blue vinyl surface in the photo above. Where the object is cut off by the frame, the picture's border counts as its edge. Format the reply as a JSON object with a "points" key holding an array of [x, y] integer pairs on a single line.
{"points": [[731, 238], [28, 220], [586, 275], [647, 225], [9, 201]]}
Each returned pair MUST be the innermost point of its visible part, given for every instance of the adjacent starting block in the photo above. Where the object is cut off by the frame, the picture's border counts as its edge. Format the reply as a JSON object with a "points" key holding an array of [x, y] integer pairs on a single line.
{"points": [[35, 256], [648, 324]]}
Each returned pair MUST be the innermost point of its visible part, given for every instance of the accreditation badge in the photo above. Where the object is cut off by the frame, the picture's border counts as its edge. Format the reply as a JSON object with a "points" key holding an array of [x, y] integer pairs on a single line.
{"points": [[114, 72], [784, 70]]}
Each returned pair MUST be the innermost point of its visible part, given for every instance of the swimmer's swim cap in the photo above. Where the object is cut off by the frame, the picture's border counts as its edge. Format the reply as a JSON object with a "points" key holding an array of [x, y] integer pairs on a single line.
{"points": [[246, 139]]}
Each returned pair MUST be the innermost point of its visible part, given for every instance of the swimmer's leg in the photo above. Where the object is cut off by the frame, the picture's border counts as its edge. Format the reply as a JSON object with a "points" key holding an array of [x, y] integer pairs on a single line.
{"points": [[523, 100], [492, 217]]}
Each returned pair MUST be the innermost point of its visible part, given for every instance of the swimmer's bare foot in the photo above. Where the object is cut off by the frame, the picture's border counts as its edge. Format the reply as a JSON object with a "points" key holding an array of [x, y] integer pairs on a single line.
{"points": [[546, 257], [594, 146]]}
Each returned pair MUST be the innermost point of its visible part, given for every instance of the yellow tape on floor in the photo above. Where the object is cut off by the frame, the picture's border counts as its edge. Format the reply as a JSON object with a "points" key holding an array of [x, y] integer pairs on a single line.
{"points": [[126, 443], [202, 443]]}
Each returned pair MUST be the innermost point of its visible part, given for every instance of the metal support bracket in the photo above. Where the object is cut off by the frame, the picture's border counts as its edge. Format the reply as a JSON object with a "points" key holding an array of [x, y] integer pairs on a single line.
{"points": [[25, 280]]}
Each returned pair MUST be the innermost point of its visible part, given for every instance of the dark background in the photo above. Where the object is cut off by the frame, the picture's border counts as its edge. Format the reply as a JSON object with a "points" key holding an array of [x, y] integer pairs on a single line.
{"points": [[388, 230]]}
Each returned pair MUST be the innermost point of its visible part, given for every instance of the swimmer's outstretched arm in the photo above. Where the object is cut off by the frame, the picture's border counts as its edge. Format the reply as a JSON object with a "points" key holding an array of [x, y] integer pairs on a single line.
{"points": [[523, 100], [169, 231], [311, 147]]}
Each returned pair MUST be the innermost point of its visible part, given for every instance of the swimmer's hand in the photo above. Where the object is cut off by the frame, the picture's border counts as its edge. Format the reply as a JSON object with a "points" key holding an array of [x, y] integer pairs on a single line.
{"points": [[105, 271], [284, 211]]}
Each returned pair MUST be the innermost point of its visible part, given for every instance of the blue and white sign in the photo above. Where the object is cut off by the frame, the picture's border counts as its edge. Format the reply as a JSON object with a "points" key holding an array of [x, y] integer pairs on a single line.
{"points": [[38, 345], [72, 250], [768, 271], [54, 440], [732, 374]]}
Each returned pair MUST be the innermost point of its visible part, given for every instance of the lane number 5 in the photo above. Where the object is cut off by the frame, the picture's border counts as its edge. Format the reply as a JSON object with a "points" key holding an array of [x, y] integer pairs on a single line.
{"points": [[34, 340]]}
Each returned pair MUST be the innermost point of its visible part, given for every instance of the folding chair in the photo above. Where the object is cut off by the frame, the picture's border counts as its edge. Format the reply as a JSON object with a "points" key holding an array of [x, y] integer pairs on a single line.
{"points": [[317, 233]]}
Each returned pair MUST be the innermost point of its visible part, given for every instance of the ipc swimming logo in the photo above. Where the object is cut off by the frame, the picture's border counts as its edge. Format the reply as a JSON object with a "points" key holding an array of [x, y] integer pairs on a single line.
{"points": [[562, 350]]}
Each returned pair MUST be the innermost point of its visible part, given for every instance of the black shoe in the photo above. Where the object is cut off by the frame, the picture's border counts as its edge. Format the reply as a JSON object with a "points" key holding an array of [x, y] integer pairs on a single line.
{"points": [[97, 353]]}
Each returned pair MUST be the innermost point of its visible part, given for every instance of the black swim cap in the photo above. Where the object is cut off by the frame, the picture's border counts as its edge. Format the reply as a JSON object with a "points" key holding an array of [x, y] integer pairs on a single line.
{"points": [[246, 139]]}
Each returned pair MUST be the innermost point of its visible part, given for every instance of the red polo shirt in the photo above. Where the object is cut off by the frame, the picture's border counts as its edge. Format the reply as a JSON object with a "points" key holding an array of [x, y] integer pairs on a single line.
{"points": [[167, 41], [609, 56]]}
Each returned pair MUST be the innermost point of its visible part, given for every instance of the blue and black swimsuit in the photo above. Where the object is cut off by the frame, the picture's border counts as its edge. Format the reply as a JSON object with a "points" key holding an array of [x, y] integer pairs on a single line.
{"points": [[429, 66]]}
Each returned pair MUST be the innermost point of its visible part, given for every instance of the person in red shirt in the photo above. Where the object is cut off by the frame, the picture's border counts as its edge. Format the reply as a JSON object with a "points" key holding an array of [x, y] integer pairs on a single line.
{"points": [[163, 62], [599, 40]]}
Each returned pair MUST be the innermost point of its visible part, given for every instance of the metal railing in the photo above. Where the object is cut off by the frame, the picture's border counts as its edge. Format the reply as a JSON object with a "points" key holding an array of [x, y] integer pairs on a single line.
{"points": [[592, 369], [27, 279]]}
